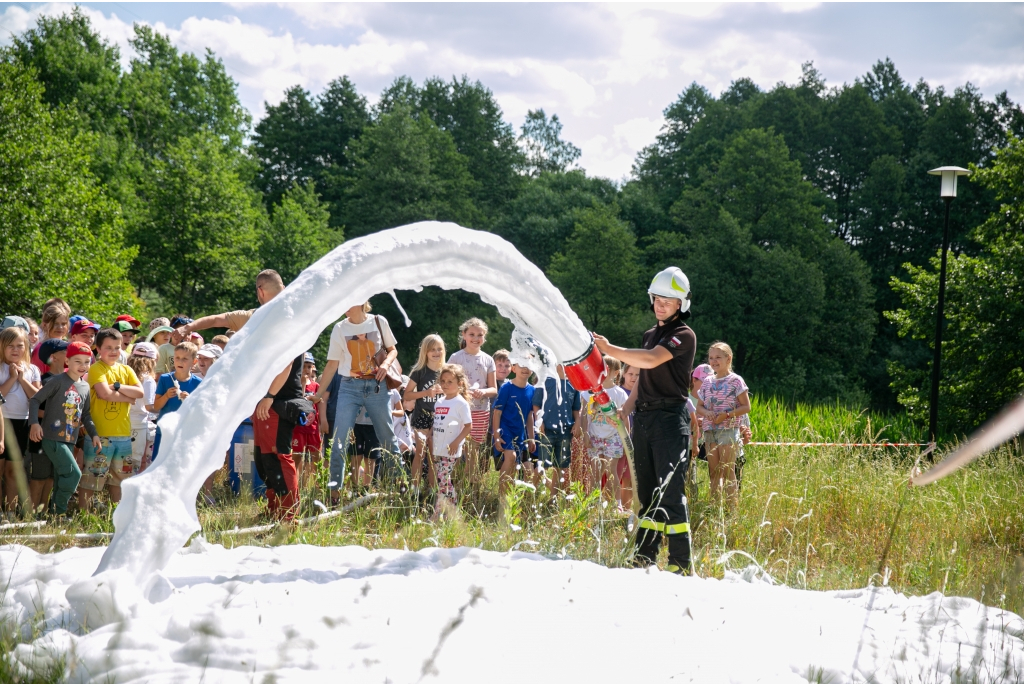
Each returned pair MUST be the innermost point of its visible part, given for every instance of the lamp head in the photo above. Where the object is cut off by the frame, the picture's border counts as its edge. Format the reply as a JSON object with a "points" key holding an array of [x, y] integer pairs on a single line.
{"points": [[949, 175]]}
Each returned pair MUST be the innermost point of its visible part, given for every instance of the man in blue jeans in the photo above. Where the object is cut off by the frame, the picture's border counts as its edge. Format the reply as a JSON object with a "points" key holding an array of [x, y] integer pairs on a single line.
{"points": [[355, 341]]}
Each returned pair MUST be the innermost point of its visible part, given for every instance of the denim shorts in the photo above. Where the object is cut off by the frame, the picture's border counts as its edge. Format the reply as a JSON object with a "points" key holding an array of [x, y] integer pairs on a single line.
{"points": [[115, 458], [722, 436], [557, 449]]}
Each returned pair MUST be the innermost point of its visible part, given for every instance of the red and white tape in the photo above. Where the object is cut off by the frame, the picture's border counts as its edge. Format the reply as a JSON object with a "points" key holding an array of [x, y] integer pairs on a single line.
{"points": [[840, 444]]}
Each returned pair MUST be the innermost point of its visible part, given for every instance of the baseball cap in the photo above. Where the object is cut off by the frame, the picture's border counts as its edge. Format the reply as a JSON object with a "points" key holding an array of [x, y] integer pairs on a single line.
{"points": [[83, 324], [158, 329], [702, 372], [196, 338], [129, 318], [125, 327], [179, 321], [50, 347], [210, 350], [75, 319], [15, 322], [76, 348], [144, 349], [308, 357]]}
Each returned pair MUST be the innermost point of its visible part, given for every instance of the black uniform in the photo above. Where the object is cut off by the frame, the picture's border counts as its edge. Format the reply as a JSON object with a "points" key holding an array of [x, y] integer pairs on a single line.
{"points": [[661, 443]]}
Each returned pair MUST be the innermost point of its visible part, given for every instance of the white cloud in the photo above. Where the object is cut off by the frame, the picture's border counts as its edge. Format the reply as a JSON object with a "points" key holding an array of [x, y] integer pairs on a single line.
{"points": [[608, 71]]}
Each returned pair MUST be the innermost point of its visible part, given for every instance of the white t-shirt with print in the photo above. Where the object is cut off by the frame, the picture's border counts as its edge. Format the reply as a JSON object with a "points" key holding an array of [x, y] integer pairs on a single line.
{"points": [[477, 367], [17, 400], [601, 426], [354, 344], [450, 417], [400, 423]]}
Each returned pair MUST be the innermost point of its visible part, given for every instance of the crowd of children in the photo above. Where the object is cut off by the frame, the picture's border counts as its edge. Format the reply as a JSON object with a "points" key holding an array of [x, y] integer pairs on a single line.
{"points": [[82, 406]]}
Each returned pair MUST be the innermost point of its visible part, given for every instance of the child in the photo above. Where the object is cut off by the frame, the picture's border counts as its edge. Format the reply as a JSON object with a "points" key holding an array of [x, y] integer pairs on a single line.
{"points": [[54, 325], [453, 422], [400, 422], [84, 331], [721, 400], [630, 377], [173, 388], [513, 420], [561, 419], [33, 333], [306, 440], [600, 433], [52, 354], [424, 391], [66, 396], [19, 382], [143, 412], [364, 450], [220, 341], [502, 366], [113, 389], [128, 327], [480, 373], [205, 358]]}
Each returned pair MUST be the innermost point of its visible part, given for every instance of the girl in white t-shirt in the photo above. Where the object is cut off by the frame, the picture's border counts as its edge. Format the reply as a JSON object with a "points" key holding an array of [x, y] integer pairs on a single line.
{"points": [[452, 425], [19, 382], [601, 435], [143, 362]]}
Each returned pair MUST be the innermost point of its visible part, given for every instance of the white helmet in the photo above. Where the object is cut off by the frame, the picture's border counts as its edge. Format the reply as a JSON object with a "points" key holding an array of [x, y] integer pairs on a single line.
{"points": [[671, 282]]}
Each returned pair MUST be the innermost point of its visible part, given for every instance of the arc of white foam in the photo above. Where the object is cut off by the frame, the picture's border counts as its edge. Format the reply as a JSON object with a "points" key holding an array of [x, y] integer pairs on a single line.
{"points": [[157, 513]]}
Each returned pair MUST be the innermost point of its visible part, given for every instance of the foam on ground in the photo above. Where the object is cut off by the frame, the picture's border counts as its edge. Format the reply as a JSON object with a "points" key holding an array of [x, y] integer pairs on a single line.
{"points": [[344, 614], [157, 512]]}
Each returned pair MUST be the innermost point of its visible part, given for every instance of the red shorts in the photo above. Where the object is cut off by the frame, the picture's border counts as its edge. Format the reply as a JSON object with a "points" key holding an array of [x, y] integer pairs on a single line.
{"points": [[622, 468], [306, 440]]}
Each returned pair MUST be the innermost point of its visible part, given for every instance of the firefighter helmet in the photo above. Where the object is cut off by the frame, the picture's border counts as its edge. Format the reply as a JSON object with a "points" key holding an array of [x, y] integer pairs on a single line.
{"points": [[671, 282]]}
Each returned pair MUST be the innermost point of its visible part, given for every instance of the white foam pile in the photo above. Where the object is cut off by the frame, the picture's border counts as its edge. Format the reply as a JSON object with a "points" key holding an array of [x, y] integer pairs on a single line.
{"points": [[345, 614], [157, 511]]}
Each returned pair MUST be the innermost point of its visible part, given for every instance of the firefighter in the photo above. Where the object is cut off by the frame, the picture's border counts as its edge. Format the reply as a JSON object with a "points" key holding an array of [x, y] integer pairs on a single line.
{"points": [[661, 425]]}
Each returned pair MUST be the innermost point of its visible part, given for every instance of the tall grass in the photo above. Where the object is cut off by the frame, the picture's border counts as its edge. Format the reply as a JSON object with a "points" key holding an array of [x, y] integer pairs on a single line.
{"points": [[815, 518]]}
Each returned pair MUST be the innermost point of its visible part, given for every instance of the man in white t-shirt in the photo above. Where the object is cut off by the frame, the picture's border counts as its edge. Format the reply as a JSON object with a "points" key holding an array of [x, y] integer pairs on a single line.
{"points": [[355, 340]]}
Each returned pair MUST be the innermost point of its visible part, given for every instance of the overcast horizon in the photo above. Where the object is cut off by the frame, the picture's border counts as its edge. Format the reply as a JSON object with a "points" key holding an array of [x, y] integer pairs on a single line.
{"points": [[607, 71]]}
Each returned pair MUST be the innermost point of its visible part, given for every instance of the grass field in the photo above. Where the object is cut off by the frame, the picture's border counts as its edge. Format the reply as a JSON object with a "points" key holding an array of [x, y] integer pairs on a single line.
{"points": [[815, 518]]}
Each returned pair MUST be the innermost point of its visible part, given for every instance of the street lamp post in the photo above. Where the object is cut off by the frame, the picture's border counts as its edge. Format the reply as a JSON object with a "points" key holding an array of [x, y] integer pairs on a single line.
{"points": [[949, 175]]}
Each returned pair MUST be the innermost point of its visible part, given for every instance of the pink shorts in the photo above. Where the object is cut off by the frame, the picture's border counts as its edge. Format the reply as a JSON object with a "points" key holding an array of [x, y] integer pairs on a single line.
{"points": [[605, 448]]}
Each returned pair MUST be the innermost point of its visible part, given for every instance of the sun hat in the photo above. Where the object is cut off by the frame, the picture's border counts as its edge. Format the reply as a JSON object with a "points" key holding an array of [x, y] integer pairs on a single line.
{"points": [[15, 322], [210, 350], [129, 318], [144, 349], [158, 329], [702, 372], [83, 325], [77, 348], [50, 347], [125, 327]]}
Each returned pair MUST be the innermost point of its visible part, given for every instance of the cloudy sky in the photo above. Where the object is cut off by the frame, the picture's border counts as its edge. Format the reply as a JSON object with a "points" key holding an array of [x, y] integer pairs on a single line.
{"points": [[608, 71]]}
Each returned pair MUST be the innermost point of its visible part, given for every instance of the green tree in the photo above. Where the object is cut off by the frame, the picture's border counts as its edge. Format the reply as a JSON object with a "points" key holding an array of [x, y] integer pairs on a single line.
{"points": [[60, 233], [406, 169], [298, 233], [983, 342], [302, 139], [542, 144], [168, 95], [598, 272], [198, 249], [542, 217]]}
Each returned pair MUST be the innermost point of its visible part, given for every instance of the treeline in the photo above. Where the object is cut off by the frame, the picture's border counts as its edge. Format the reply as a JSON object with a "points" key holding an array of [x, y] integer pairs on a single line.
{"points": [[792, 210]]}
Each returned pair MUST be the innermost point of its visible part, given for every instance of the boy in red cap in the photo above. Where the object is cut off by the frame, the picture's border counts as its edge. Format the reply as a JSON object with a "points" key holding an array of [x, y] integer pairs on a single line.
{"points": [[114, 387], [66, 397], [84, 331]]}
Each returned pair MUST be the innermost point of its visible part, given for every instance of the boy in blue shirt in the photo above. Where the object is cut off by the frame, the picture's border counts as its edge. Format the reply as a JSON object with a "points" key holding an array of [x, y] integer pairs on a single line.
{"points": [[172, 388], [561, 421], [513, 426]]}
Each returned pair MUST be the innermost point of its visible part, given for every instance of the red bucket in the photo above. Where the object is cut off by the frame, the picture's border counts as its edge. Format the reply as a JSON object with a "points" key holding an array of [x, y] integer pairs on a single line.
{"points": [[587, 372]]}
